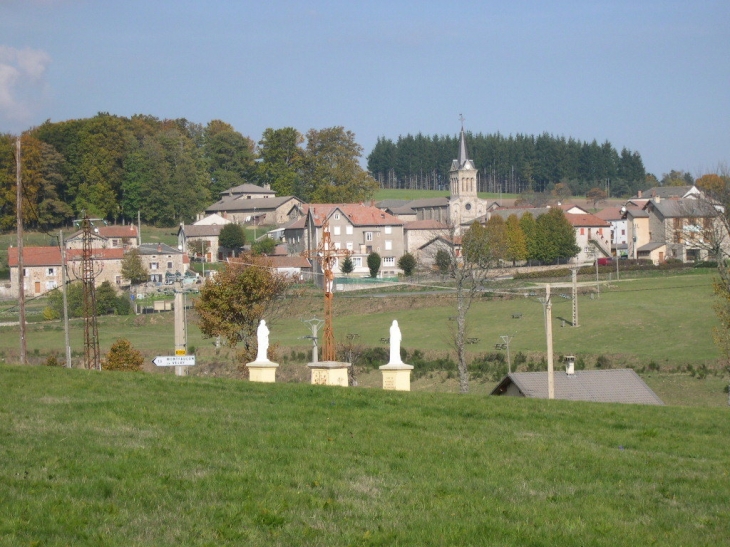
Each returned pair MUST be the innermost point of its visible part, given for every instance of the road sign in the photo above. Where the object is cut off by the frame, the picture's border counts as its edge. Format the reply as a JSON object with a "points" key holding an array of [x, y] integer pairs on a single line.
{"points": [[181, 352], [174, 360]]}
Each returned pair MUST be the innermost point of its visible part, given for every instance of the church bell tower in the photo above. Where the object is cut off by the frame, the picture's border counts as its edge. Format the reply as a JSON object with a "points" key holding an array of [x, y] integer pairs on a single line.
{"points": [[464, 205]]}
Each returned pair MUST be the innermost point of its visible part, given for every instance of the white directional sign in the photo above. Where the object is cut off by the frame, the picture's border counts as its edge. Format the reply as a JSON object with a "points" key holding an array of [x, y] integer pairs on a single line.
{"points": [[174, 360]]}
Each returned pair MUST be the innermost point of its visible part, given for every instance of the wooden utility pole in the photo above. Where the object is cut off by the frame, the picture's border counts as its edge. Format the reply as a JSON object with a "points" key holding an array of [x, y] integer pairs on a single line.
{"points": [[575, 296], [21, 267], [549, 336]]}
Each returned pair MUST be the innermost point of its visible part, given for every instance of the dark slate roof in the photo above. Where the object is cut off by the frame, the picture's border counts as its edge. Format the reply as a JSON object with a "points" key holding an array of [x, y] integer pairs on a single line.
{"points": [[666, 192], [599, 386], [247, 188], [682, 208], [429, 202], [156, 249], [390, 203], [201, 230], [261, 205]]}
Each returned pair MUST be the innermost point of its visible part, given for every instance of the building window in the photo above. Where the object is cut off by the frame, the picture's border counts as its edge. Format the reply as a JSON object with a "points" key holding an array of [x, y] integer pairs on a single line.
{"points": [[118, 280], [337, 244], [169, 265], [349, 245], [368, 236], [336, 230], [388, 229], [348, 230], [337, 216], [154, 266], [356, 261], [388, 245], [51, 271], [115, 243], [582, 231], [388, 261]]}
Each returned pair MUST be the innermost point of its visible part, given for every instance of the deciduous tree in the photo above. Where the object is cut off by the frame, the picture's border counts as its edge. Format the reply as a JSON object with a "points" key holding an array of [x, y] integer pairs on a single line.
{"points": [[331, 170], [133, 269], [233, 302], [232, 237]]}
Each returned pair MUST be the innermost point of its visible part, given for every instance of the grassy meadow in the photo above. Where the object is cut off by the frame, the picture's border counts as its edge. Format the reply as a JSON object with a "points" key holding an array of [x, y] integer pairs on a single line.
{"points": [[660, 324], [124, 459]]}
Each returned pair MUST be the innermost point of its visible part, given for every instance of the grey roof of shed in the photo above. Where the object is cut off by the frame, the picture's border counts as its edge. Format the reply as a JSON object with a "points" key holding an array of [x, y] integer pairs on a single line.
{"points": [[599, 386], [201, 230], [652, 245]]}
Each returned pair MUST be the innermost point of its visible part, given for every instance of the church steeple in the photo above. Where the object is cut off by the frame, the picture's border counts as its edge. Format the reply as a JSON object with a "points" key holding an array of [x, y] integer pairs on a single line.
{"points": [[464, 204], [462, 157]]}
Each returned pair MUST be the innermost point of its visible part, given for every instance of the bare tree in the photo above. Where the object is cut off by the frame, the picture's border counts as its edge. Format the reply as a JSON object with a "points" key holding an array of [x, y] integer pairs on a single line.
{"points": [[470, 258]]}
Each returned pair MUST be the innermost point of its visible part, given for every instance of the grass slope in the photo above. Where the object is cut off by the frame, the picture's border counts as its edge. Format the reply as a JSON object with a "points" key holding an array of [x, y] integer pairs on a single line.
{"points": [[121, 459]]}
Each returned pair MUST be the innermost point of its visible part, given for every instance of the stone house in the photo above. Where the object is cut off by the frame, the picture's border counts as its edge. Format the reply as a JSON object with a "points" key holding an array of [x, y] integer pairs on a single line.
{"points": [[161, 259], [685, 225], [205, 235], [42, 268], [257, 211], [360, 229], [592, 235], [420, 232], [107, 237]]}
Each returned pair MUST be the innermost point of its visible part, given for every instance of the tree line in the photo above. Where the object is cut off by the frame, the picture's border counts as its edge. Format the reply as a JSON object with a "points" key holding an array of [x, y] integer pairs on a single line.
{"points": [[513, 164], [111, 167]]}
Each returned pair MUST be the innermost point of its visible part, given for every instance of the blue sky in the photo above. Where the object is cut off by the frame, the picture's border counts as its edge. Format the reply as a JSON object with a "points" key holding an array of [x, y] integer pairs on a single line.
{"points": [[651, 76]]}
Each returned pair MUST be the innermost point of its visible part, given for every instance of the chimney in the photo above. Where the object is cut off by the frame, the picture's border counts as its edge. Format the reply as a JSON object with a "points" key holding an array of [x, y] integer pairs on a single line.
{"points": [[570, 365], [657, 199], [639, 193], [159, 247]]}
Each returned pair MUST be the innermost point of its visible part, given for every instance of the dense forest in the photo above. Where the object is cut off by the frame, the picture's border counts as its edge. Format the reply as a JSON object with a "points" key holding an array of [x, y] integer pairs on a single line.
{"points": [[113, 167], [514, 164]]}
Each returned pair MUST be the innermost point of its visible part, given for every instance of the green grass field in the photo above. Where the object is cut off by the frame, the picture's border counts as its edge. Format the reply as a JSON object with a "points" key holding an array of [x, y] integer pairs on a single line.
{"points": [[124, 459], [648, 323]]}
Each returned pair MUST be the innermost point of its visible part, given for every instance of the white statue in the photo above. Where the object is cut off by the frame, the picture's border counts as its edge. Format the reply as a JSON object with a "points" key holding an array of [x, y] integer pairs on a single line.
{"points": [[395, 338], [262, 335]]}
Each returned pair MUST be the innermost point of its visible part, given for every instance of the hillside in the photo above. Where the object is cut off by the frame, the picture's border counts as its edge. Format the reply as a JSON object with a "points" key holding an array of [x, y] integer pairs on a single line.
{"points": [[123, 459]]}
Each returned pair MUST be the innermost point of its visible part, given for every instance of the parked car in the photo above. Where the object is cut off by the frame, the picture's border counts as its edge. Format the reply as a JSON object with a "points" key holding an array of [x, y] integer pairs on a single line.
{"points": [[605, 261]]}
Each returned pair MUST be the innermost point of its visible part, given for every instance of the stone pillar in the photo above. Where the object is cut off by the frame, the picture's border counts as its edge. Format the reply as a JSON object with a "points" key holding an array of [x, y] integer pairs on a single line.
{"points": [[397, 377], [262, 371], [329, 373]]}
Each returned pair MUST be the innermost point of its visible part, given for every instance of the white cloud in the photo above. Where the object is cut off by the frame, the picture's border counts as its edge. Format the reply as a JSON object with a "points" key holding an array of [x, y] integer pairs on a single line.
{"points": [[21, 79]]}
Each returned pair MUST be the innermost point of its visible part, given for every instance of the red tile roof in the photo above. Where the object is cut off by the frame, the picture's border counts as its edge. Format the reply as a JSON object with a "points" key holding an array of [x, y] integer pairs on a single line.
{"points": [[587, 220], [357, 213], [51, 256]]}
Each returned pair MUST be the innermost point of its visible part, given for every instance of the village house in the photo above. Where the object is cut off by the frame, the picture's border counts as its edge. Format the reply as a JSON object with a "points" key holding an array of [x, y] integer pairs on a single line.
{"points": [[200, 240], [107, 237], [681, 229], [42, 268], [592, 235], [360, 229]]}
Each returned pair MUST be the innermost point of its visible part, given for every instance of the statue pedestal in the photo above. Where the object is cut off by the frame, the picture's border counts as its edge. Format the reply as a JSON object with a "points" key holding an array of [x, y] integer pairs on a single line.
{"points": [[329, 373], [397, 377], [262, 371]]}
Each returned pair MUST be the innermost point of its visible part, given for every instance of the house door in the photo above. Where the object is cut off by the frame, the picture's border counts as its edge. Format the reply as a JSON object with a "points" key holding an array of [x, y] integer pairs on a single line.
{"points": [[37, 287], [661, 257]]}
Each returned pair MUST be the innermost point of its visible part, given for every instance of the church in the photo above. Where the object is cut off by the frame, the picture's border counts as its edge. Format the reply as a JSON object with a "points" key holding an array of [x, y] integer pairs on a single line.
{"points": [[459, 210]]}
